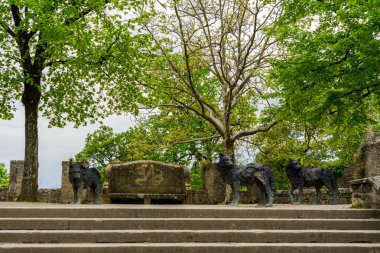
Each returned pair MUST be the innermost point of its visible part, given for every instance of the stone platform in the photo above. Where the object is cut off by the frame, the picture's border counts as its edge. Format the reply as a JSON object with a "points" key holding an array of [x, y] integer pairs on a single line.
{"points": [[40, 227]]}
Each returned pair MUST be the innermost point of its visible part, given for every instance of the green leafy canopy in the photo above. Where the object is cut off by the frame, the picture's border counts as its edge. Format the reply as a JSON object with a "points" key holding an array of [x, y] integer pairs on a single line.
{"points": [[83, 48]]}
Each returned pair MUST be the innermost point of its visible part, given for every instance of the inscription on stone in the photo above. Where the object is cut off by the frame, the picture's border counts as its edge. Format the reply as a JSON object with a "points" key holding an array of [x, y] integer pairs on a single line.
{"points": [[150, 174]]}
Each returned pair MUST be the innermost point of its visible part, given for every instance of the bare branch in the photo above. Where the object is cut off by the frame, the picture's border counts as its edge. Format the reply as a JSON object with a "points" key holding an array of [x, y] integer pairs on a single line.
{"points": [[254, 131], [216, 136]]}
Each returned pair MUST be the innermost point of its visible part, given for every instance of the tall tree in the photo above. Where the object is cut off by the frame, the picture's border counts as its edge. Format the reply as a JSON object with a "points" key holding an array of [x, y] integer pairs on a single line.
{"points": [[331, 60], [214, 54], [56, 57]]}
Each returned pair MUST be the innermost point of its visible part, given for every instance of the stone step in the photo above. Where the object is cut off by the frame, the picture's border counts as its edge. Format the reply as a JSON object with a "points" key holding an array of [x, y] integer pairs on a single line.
{"points": [[34, 227], [185, 224], [197, 236], [191, 247], [184, 211]]}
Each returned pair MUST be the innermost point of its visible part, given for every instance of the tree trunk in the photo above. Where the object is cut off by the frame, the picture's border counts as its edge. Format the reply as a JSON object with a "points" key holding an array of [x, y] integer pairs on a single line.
{"points": [[29, 186], [229, 147]]}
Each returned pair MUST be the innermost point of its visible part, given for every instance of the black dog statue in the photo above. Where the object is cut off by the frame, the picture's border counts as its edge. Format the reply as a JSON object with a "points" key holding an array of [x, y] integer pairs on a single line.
{"points": [[82, 177], [300, 178], [248, 176]]}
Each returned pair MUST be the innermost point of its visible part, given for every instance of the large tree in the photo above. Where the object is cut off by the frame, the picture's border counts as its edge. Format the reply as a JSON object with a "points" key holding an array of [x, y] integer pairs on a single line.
{"points": [[213, 56], [56, 57], [330, 64]]}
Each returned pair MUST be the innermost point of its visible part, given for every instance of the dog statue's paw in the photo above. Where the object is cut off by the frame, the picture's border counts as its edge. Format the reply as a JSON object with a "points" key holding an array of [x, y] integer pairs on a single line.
{"points": [[233, 204]]}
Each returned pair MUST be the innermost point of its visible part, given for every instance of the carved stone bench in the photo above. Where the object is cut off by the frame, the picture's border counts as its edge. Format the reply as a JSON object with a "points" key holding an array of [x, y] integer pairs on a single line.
{"points": [[150, 181]]}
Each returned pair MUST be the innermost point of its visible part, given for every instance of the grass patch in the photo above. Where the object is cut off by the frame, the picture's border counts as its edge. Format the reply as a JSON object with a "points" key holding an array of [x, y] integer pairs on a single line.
{"points": [[358, 206]]}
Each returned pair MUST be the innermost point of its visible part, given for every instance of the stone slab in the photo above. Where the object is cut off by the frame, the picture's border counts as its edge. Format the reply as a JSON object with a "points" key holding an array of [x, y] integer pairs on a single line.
{"points": [[46, 210], [185, 223], [192, 248], [198, 236]]}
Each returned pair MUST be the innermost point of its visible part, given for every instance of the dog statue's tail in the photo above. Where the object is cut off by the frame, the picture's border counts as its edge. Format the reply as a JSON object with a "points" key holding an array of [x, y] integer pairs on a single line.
{"points": [[334, 192], [271, 185]]}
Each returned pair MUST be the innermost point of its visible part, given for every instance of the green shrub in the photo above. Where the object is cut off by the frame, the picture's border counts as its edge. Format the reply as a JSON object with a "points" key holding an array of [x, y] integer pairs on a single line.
{"points": [[4, 176]]}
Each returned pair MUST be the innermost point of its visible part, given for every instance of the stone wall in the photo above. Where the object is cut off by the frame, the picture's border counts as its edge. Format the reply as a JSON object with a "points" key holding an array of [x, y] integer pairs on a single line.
{"points": [[246, 197], [3, 193], [49, 195], [200, 197]]}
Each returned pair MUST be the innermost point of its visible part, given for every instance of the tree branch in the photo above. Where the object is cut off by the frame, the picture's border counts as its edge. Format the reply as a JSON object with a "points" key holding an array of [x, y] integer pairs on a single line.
{"points": [[256, 130], [7, 29], [198, 139]]}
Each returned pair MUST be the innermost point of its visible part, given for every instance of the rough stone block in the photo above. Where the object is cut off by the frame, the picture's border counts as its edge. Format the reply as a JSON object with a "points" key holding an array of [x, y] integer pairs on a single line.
{"points": [[366, 192]]}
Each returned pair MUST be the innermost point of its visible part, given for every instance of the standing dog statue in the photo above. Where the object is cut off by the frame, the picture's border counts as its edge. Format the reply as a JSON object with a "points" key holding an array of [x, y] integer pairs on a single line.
{"points": [[246, 175], [300, 178], [83, 177]]}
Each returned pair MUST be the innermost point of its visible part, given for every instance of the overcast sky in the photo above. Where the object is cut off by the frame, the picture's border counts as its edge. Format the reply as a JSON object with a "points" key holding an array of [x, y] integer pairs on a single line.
{"points": [[55, 144]]}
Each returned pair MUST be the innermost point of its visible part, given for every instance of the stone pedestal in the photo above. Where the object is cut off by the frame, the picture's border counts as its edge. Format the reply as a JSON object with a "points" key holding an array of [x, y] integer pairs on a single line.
{"points": [[15, 179]]}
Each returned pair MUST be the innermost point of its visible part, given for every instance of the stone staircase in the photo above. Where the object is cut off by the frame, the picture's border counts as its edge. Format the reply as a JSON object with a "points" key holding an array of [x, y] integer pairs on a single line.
{"points": [[26, 227]]}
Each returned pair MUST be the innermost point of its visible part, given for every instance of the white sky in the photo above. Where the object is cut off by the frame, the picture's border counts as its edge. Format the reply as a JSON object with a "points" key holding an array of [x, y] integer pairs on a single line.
{"points": [[55, 144]]}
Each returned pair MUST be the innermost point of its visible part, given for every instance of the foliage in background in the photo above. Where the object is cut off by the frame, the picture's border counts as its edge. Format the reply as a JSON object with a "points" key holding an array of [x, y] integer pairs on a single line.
{"points": [[163, 136], [4, 176], [315, 145], [331, 59], [328, 72], [327, 83]]}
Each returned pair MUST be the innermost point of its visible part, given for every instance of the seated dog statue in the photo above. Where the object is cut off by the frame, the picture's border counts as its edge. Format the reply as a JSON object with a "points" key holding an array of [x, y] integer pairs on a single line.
{"points": [[82, 177], [248, 176], [300, 178]]}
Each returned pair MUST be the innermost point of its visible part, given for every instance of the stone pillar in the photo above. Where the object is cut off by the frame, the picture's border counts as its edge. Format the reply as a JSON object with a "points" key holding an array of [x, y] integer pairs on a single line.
{"points": [[66, 188], [366, 191], [213, 184], [372, 153], [15, 179]]}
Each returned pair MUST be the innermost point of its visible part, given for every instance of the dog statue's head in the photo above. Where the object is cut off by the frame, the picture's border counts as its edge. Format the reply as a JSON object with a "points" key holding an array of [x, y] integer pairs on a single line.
{"points": [[226, 161], [294, 164], [75, 174]]}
